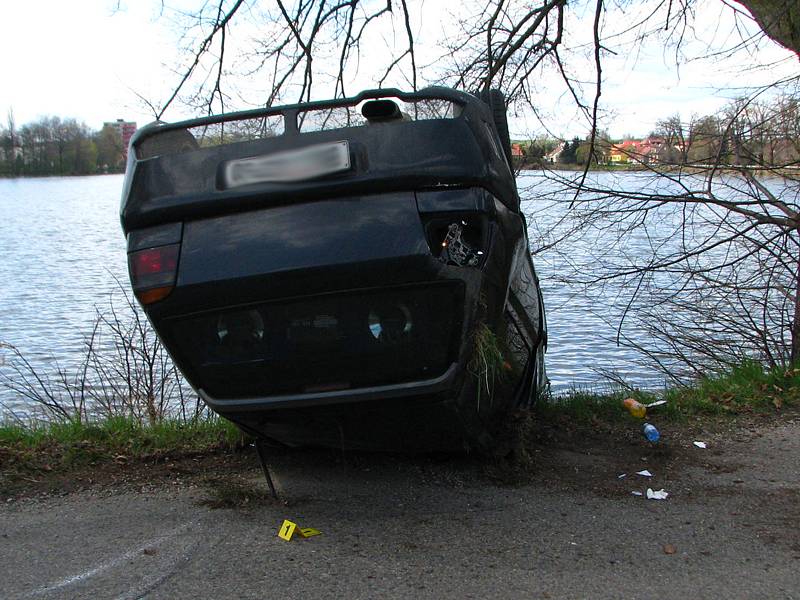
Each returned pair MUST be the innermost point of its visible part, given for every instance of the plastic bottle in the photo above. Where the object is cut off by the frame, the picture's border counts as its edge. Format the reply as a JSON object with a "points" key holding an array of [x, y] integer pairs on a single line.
{"points": [[650, 432], [635, 408]]}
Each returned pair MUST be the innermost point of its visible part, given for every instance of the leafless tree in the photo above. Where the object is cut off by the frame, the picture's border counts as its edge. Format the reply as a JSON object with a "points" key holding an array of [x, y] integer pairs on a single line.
{"points": [[704, 257], [124, 372], [720, 239]]}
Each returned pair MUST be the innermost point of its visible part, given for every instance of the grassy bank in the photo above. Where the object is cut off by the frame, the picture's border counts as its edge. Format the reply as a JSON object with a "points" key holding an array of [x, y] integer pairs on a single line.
{"points": [[747, 389], [61, 446]]}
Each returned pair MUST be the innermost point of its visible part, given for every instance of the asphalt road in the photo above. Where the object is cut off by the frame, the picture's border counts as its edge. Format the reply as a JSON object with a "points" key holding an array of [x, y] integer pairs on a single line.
{"points": [[426, 528]]}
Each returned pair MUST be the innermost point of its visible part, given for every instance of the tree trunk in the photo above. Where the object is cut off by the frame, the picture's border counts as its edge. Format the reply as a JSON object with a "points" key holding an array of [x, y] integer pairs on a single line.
{"points": [[780, 20], [795, 356]]}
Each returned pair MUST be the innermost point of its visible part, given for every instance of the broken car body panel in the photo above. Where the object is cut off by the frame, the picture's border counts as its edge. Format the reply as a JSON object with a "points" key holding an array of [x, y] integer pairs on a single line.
{"points": [[367, 285]]}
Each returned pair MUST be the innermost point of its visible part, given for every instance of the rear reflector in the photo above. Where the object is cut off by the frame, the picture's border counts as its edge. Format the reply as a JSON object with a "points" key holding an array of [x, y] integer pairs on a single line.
{"points": [[153, 272], [153, 294]]}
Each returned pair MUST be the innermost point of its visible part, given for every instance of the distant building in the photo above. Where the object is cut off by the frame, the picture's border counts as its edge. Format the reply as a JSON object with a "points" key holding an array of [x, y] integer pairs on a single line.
{"points": [[552, 157], [644, 151], [625, 152], [125, 130], [653, 148]]}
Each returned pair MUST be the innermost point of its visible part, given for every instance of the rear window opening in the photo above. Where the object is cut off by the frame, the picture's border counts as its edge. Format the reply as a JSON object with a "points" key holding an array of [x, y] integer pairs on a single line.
{"points": [[339, 117], [244, 130], [211, 135], [177, 141]]}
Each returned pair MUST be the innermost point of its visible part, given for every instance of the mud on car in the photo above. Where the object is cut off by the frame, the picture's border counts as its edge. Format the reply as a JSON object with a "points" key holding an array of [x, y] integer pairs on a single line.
{"points": [[352, 272]]}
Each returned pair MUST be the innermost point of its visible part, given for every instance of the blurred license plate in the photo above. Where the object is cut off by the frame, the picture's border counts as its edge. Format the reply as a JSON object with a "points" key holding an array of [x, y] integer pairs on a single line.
{"points": [[289, 166]]}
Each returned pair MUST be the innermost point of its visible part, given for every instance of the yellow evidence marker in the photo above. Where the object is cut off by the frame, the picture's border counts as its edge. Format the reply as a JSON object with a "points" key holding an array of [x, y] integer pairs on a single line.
{"points": [[289, 529]]}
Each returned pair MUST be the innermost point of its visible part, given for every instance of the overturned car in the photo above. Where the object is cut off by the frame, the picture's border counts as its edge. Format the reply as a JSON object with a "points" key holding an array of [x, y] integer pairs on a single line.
{"points": [[349, 273]]}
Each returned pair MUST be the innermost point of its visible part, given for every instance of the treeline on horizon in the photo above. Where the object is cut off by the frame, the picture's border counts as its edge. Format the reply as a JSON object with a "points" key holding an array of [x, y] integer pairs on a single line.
{"points": [[743, 132], [55, 146]]}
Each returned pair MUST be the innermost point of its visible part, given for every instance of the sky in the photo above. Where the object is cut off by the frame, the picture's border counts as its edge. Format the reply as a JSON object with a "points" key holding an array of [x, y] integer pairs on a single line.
{"points": [[92, 59]]}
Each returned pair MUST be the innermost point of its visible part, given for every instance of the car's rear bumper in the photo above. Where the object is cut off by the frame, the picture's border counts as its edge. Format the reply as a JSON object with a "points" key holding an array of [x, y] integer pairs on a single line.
{"points": [[407, 423], [412, 416], [444, 383]]}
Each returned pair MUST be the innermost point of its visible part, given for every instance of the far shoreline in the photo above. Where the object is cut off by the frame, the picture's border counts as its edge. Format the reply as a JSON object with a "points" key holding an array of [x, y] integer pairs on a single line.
{"points": [[57, 175], [784, 171], [660, 169]]}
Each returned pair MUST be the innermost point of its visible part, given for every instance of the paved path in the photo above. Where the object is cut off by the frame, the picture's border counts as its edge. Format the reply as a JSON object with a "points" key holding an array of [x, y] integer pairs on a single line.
{"points": [[405, 528]]}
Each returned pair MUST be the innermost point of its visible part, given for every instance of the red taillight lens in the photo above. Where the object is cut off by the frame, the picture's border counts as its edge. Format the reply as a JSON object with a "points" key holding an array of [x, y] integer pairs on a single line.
{"points": [[153, 272]]}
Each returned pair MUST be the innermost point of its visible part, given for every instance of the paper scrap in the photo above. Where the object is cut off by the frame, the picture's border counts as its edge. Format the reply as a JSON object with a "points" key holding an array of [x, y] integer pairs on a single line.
{"points": [[700, 444], [636, 493], [622, 476], [659, 495], [656, 403], [644, 473]]}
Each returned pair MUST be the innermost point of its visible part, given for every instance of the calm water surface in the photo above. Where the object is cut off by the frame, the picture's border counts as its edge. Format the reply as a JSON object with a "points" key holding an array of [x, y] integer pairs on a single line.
{"points": [[61, 247]]}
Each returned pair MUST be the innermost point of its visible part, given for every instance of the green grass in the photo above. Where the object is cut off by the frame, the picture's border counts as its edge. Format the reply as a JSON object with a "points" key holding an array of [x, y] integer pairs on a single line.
{"points": [[746, 389], [585, 406], [488, 361], [74, 443]]}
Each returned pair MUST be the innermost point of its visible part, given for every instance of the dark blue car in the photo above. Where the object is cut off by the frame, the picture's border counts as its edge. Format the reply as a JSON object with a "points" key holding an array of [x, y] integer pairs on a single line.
{"points": [[352, 273]]}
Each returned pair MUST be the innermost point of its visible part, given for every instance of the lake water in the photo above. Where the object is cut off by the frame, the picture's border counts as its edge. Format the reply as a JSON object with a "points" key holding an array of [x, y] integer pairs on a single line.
{"points": [[61, 247]]}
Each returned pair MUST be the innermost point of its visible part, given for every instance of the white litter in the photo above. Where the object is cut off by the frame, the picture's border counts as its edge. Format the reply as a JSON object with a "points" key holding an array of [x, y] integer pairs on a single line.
{"points": [[700, 444], [659, 495], [654, 404], [622, 476], [644, 473], [636, 493]]}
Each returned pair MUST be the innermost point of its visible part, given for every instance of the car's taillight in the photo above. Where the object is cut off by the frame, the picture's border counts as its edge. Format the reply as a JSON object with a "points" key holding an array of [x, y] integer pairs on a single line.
{"points": [[458, 224], [459, 240], [153, 272]]}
